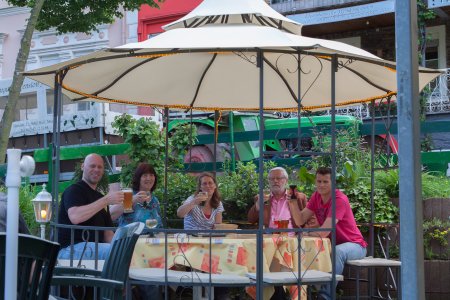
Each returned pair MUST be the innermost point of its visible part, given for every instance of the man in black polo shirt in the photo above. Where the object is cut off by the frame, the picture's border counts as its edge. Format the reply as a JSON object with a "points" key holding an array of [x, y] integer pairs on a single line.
{"points": [[81, 204]]}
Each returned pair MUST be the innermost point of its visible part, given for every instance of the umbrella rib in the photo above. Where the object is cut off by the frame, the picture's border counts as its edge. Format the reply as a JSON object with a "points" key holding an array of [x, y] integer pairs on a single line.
{"points": [[363, 77], [282, 78], [118, 78], [201, 79]]}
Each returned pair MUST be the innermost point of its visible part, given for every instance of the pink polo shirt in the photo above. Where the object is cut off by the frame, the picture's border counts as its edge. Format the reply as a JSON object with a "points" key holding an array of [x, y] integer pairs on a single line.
{"points": [[346, 229], [279, 210]]}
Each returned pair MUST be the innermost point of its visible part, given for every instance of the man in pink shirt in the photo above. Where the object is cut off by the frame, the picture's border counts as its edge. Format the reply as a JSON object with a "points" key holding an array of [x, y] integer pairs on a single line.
{"points": [[277, 206], [349, 241]]}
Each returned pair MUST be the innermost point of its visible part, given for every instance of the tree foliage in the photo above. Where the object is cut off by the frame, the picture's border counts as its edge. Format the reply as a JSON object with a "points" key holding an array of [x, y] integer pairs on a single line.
{"points": [[81, 15], [147, 144]]}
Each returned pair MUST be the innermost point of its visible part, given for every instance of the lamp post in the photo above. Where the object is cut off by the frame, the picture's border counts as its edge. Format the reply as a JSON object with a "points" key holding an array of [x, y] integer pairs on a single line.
{"points": [[43, 208], [17, 168]]}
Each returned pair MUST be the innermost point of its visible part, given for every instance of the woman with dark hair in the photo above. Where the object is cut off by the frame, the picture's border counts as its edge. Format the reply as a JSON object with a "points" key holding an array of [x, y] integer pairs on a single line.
{"points": [[145, 204], [204, 208]]}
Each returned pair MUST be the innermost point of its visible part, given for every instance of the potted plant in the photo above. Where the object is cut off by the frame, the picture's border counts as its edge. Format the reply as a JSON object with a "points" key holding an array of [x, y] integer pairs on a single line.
{"points": [[436, 239]]}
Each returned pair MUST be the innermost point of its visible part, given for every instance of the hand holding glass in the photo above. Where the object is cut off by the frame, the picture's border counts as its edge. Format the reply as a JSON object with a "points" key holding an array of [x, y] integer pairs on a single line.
{"points": [[293, 188], [266, 196], [202, 196]]}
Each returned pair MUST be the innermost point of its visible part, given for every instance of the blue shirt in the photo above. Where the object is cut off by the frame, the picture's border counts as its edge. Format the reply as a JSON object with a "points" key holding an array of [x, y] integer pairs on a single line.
{"points": [[142, 212]]}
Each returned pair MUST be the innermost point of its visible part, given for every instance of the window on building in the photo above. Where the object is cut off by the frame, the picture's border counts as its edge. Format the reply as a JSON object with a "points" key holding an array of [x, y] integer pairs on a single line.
{"points": [[152, 35], [26, 108], [123, 108], [432, 54], [69, 107], [49, 60], [83, 106]]}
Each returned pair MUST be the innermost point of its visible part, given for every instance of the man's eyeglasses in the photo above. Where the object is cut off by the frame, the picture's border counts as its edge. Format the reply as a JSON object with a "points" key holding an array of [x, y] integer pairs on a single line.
{"points": [[276, 178]]}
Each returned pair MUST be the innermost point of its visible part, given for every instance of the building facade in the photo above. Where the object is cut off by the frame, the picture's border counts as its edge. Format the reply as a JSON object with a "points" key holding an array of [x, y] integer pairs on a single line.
{"points": [[83, 122]]}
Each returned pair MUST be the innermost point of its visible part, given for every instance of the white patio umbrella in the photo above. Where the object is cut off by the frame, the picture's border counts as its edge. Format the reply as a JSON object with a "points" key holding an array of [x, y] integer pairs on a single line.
{"points": [[208, 61]]}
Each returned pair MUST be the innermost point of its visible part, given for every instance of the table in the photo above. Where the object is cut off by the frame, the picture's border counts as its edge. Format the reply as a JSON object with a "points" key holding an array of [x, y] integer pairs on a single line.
{"points": [[234, 254]]}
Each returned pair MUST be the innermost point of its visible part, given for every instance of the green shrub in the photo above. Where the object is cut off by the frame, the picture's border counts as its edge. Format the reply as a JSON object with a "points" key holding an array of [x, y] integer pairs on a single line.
{"points": [[359, 197], [435, 185], [180, 187], [27, 193], [238, 188], [388, 180]]}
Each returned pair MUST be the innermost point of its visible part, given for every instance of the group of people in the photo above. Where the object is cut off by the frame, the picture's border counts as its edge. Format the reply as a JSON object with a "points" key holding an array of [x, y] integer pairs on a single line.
{"points": [[82, 204]]}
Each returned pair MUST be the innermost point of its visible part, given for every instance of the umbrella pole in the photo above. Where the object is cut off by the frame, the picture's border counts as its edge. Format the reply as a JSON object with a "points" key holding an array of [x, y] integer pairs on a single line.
{"points": [[334, 69], [259, 236], [56, 137]]}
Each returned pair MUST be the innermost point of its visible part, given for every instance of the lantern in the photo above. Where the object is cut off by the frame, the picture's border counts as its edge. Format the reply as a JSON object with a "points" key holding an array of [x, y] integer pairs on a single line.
{"points": [[43, 208]]}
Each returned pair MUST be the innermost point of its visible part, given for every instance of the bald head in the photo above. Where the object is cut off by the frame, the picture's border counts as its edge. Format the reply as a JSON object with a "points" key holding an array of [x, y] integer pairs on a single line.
{"points": [[93, 169]]}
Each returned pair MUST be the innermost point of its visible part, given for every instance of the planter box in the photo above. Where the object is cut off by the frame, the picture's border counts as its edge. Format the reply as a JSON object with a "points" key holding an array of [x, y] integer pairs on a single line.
{"points": [[437, 279]]}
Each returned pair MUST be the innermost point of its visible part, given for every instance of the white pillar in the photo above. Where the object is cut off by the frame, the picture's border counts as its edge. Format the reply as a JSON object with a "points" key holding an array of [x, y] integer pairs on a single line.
{"points": [[15, 170], [12, 223]]}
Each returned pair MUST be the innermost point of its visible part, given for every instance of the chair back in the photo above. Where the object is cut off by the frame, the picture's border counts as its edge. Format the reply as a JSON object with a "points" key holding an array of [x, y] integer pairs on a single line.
{"points": [[36, 261], [122, 246]]}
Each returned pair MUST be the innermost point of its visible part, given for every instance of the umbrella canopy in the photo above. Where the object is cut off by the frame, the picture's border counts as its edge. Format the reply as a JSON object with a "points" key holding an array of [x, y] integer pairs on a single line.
{"points": [[213, 65]]}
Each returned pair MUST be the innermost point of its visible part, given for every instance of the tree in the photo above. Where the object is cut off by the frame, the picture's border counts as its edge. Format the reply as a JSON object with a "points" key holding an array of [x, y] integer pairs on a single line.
{"points": [[65, 16]]}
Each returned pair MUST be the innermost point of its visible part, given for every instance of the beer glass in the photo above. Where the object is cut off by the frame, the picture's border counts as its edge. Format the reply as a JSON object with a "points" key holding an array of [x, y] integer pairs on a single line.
{"points": [[127, 200]]}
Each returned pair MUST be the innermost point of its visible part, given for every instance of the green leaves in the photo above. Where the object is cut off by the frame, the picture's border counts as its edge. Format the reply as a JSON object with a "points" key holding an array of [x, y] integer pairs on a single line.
{"points": [[147, 144], [239, 188], [81, 15], [359, 197]]}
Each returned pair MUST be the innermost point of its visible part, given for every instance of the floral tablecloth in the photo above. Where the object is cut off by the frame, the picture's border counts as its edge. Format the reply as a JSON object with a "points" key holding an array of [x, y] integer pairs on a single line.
{"points": [[235, 254]]}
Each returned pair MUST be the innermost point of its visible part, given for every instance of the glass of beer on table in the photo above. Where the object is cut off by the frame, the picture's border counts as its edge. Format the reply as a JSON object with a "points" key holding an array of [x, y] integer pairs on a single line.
{"points": [[127, 200]]}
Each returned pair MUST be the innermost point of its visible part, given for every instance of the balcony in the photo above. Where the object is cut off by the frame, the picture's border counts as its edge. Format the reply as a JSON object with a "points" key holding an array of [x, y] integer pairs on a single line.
{"points": [[438, 3], [293, 6], [437, 94]]}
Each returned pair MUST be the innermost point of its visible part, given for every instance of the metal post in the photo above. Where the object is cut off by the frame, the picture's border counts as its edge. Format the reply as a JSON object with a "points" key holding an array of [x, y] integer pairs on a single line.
{"points": [[56, 138], [233, 156], [334, 69], [216, 135], [411, 235], [16, 168], [259, 236], [42, 231], [12, 222], [166, 165]]}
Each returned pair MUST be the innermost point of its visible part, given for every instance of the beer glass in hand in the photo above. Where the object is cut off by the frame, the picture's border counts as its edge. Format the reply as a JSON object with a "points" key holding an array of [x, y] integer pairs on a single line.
{"points": [[127, 200], [203, 196]]}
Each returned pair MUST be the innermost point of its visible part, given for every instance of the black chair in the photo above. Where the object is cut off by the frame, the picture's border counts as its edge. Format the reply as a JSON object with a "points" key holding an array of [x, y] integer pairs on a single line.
{"points": [[111, 281], [36, 261]]}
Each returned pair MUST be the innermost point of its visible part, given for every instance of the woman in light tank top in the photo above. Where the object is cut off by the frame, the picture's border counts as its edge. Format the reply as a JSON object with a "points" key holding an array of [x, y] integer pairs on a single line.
{"points": [[204, 208]]}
